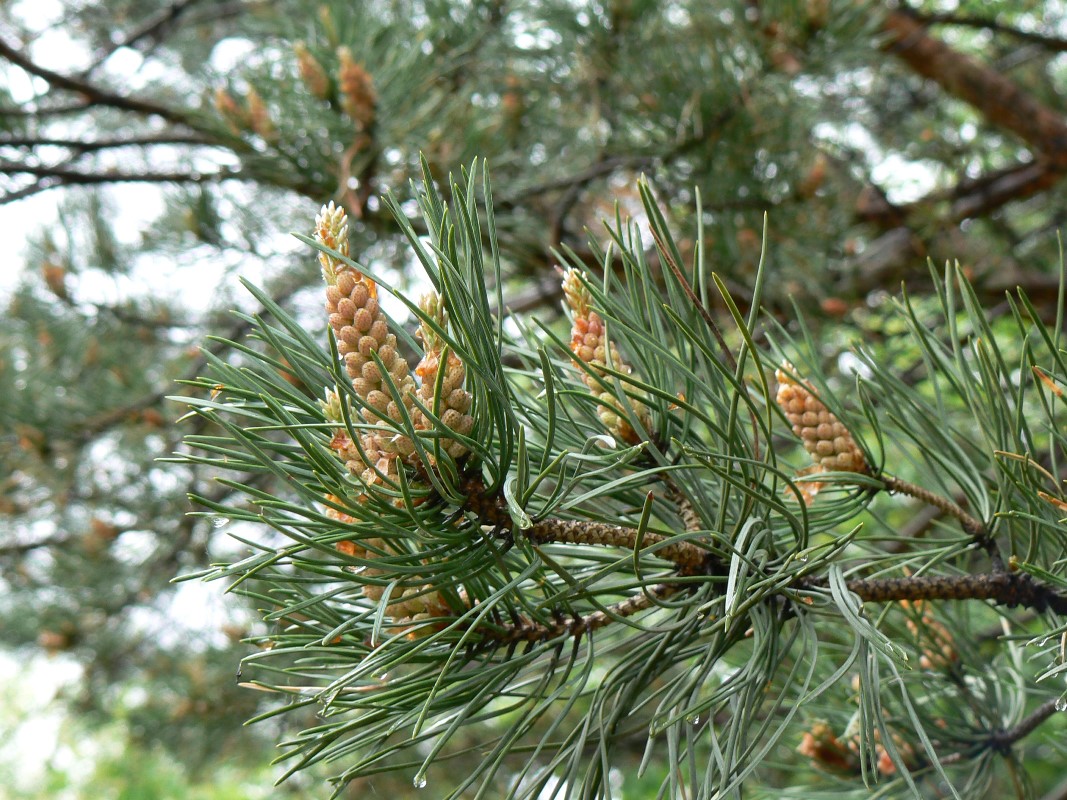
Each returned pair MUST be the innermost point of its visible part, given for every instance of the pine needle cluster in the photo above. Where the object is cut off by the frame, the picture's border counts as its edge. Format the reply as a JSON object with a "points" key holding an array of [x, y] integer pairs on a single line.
{"points": [[557, 555]]}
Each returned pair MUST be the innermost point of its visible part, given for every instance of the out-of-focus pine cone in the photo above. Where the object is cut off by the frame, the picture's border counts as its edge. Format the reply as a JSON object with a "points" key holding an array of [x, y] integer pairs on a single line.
{"points": [[826, 751], [311, 72], [356, 89]]}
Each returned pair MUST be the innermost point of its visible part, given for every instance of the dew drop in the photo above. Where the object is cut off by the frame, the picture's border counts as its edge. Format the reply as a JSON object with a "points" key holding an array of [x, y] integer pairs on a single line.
{"points": [[419, 782], [1061, 704], [693, 719], [220, 522]]}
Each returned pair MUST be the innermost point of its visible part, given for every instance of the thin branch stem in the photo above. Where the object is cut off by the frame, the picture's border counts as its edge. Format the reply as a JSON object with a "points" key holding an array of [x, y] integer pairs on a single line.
{"points": [[530, 631], [91, 145], [688, 557], [157, 26], [51, 177], [1054, 43], [94, 95], [1004, 588], [973, 526], [1002, 741]]}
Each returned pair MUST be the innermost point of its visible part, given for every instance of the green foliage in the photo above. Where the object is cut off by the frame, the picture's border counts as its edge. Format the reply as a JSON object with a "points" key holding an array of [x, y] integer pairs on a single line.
{"points": [[866, 163], [721, 667]]}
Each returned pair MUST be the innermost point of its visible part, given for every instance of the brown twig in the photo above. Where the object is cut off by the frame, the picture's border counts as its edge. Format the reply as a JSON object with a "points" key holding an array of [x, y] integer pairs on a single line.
{"points": [[1002, 741], [94, 95], [155, 26], [973, 526], [1004, 588], [93, 145], [73, 176], [1054, 43], [531, 631], [689, 558], [978, 530], [999, 99], [51, 177], [1002, 103]]}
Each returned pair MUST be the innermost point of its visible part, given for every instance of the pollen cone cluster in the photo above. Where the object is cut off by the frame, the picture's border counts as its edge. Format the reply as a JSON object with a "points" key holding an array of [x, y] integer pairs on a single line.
{"points": [[442, 374], [590, 344], [828, 752], [407, 607], [356, 89], [235, 117], [936, 643], [311, 72], [823, 435], [259, 119], [369, 350], [391, 397], [825, 750]]}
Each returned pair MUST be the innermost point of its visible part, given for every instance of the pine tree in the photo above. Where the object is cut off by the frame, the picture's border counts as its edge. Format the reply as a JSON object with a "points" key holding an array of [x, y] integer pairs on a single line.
{"points": [[625, 443]]}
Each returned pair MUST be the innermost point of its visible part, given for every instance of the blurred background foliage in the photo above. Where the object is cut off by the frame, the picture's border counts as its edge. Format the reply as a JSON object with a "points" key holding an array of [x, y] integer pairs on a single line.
{"points": [[151, 153]]}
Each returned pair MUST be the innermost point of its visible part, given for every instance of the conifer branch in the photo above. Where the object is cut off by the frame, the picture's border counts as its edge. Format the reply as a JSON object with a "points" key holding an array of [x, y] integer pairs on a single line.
{"points": [[1001, 741], [970, 524], [531, 631], [688, 557], [690, 519], [72, 177], [93, 145], [93, 94], [999, 99], [1054, 43], [156, 26], [1004, 588]]}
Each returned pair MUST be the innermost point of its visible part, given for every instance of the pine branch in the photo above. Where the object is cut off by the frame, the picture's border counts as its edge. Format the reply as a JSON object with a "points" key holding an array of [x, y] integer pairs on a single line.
{"points": [[1002, 741], [94, 95], [1000, 100], [107, 420], [1004, 588], [689, 558], [1056, 44], [531, 631], [156, 26], [1010, 589], [975, 527], [93, 145], [1003, 104], [21, 548], [970, 524], [50, 177], [37, 113]]}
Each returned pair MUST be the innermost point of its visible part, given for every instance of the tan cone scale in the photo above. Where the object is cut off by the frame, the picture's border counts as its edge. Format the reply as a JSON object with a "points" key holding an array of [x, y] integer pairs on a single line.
{"points": [[373, 362], [590, 344], [823, 435]]}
